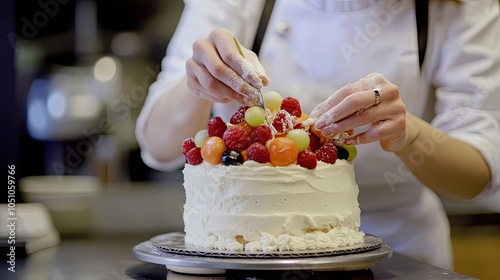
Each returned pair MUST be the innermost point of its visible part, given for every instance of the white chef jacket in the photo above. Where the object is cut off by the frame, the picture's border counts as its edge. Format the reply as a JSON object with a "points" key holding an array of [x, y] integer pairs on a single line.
{"points": [[313, 47]]}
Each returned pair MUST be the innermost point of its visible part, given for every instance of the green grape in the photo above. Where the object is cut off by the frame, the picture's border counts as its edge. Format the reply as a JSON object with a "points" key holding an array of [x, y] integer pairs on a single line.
{"points": [[200, 137], [272, 99], [352, 151], [255, 116], [300, 137]]}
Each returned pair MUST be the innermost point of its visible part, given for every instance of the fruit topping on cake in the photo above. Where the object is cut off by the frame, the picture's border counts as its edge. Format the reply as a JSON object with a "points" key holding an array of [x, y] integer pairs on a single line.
{"points": [[216, 127], [258, 152], [187, 145], [292, 106], [193, 157], [327, 153], [246, 137], [212, 149], [282, 151], [230, 157], [307, 159], [236, 138], [282, 122], [239, 115]]}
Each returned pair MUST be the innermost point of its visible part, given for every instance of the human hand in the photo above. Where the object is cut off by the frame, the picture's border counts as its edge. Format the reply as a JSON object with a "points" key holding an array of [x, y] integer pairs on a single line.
{"points": [[217, 72], [357, 105]]}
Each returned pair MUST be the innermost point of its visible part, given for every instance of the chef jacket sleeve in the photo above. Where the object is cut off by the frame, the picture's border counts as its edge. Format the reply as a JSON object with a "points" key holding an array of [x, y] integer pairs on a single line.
{"points": [[198, 19], [464, 68]]}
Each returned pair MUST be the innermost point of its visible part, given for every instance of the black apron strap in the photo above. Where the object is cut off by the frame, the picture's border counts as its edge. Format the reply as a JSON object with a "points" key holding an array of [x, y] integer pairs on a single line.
{"points": [[264, 21], [422, 16]]}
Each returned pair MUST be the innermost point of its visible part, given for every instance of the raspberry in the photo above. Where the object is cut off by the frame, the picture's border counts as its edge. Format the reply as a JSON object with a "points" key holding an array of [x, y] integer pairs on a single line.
{"points": [[236, 138], [187, 145], [307, 159], [239, 115], [193, 157], [292, 106], [258, 152], [216, 127], [327, 153], [282, 122], [261, 134], [314, 142]]}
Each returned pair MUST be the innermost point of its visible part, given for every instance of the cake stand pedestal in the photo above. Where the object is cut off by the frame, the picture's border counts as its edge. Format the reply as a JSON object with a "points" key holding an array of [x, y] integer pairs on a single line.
{"points": [[170, 250]]}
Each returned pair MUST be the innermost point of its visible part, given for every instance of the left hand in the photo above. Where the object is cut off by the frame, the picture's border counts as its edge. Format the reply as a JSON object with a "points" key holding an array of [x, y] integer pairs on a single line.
{"points": [[356, 105]]}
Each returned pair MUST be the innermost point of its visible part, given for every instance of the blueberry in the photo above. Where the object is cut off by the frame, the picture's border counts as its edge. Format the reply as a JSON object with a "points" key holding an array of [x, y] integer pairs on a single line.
{"points": [[231, 157], [342, 153]]}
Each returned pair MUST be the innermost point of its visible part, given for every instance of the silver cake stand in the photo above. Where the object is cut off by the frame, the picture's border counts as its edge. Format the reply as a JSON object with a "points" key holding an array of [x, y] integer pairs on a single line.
{"points": [[170, 250]]}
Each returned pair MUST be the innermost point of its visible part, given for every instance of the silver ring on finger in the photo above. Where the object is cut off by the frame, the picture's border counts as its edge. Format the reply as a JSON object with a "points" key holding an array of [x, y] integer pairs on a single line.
{"points": [[377, 97]]}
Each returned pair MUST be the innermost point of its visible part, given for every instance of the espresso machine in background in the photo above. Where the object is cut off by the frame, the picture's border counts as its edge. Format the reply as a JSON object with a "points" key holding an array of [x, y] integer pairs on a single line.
{"points": [[81, 88], [80, 108]]}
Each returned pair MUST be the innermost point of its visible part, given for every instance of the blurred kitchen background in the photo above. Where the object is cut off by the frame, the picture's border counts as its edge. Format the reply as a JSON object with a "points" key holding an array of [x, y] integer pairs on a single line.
{"points": [[80, 73], [75, 74], [83, 68]]}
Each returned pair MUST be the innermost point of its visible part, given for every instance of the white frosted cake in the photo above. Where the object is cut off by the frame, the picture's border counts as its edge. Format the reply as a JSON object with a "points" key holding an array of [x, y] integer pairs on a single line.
{"points": [[267, 208], [259, 188]]}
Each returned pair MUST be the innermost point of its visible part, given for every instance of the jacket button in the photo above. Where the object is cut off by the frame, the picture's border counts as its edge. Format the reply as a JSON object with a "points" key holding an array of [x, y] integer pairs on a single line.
{"points": [[282, 28]]}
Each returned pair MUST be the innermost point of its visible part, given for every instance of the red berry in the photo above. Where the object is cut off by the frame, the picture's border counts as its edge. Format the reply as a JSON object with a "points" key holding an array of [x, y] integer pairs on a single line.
{"points": [[239, 115], [261, 134], [258, 152], [314, 143], [216, 127], [193, 157], [187, 145], [282, 122], [327, 153], [236, 138], [298, 126], [292, 106], [307, 159]]}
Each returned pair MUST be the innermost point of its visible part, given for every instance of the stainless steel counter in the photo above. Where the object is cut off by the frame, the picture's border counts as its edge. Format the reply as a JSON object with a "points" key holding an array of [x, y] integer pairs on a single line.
{"points": [[111, 258]]}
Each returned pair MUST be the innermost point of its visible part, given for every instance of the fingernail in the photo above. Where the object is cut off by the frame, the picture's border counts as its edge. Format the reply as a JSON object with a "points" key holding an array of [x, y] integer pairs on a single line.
{"points": [[250, 75], [265, 79], [352, 141], [319, 123], [254, 93], [326, 132]]}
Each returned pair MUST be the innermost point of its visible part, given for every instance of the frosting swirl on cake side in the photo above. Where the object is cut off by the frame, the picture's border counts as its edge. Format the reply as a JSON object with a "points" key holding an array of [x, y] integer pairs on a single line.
{"points": [[271, 208]]}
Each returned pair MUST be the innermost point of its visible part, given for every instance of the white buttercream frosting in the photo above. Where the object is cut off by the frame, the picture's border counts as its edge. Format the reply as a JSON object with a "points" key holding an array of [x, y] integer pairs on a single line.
{"points": [[258, 207]]}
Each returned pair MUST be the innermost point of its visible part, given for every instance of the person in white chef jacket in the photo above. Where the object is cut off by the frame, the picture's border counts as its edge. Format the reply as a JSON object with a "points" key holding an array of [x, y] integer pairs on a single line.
{"points": [[433, 129]]}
